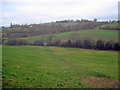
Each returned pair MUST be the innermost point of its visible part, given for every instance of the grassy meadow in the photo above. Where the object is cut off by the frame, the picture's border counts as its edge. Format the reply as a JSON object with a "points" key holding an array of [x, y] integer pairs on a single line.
{"points": [[55, 67], [81, 34], [36, 65]]}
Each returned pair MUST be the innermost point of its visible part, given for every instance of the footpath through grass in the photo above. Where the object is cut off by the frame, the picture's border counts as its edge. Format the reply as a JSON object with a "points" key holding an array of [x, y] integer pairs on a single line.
{"points": [[52, 67]]}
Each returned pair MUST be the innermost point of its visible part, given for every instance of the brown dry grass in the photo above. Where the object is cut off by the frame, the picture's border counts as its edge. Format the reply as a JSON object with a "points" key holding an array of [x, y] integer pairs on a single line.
{"points": [[100, 82]]}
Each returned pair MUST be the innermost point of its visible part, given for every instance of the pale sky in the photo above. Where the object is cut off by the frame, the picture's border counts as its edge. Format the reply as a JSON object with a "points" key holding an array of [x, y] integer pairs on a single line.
{"points": [[41, 11]]}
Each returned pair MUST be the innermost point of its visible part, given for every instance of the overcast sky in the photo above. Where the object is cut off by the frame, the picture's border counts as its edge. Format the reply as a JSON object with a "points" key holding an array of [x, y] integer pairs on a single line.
{"points": [[40, 11]]}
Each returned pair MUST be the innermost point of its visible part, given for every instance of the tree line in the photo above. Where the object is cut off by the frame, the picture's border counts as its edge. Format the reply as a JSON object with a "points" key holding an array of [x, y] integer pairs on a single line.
{"points": [[13, 35], [19, 31], [84, 43], [109, 28]]}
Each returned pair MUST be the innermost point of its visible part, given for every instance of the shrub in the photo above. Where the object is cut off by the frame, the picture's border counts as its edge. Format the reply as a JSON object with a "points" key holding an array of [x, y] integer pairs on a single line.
{"points": [[11, 42], [69, 43], [77, 44], [109, 46], [21, 42], [116, 46], [16, 42], [38, 43], [87, 43], [56, 43], [100, 45]]}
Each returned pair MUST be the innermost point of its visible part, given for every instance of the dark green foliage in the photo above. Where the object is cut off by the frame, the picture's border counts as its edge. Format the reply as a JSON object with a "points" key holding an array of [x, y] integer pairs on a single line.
{"points": [[109, 28], [56, 43], [69, 43], [77, 44], [11, 42], [84, 43], [116, 46], [87, 44], [109, 46], [38, 43], [16, 42], [64, 44], [0, 41], [49, 40], [97, 74], [100, 45], [21, 42]]}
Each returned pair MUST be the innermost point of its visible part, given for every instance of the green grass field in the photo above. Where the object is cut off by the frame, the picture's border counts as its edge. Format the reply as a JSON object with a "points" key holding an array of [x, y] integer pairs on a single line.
{"points": [[91, 34], [55, 67]]}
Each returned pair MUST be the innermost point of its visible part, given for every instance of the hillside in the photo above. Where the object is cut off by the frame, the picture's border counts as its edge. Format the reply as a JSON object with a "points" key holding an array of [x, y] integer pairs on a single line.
{"points": [[63, 23], [19, 31], [112, 25], [81, 34]]}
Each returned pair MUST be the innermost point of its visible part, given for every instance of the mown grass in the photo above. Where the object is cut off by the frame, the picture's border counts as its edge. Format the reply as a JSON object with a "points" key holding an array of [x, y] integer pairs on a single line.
{"points": [[91, 34], [55, 67]]}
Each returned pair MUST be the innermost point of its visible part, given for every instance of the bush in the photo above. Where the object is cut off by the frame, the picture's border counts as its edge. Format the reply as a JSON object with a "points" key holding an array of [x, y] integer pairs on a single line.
{"points": [[11, 42], [63, 44], [56, 43], [38, 43], [100, 45], [21, 42], [49, 40], [16, 42], [87, 43], [77, 44], [117, 46], [69, 43], [109, 46]]}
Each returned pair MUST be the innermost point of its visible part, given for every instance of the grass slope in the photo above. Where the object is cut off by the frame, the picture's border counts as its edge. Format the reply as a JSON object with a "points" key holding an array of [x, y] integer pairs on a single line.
{"points": [[92, 34], [110, 25], [32, 66]]}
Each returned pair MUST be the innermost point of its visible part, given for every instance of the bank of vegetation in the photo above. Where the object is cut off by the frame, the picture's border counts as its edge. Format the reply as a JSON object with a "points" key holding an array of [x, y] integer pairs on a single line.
{"points": [[18, 34]]}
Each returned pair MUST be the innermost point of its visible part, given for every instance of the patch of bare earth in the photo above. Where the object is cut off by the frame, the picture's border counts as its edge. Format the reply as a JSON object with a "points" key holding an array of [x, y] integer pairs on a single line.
{"points": [[100, 82]]}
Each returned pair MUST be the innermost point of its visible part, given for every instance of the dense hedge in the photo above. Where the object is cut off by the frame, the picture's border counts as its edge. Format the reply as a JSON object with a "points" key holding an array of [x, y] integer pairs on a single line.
{"points": [[109, 28], [16, 42], [99, 45], [85, 43]]}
